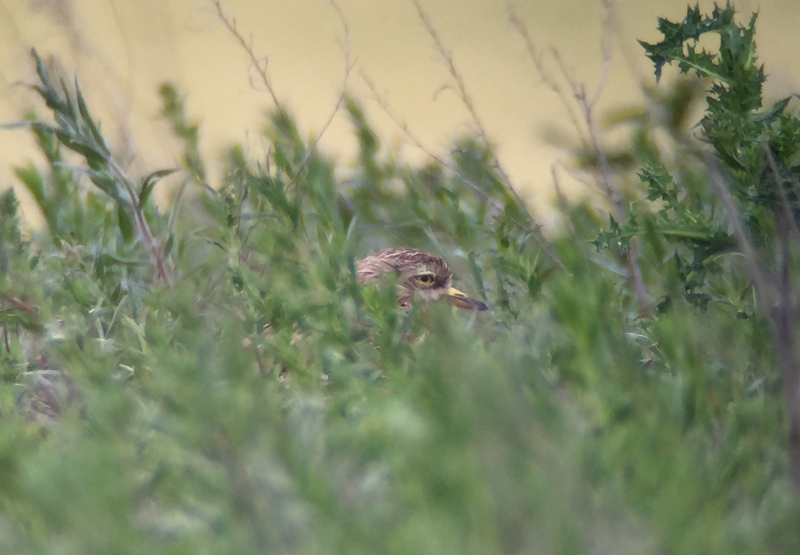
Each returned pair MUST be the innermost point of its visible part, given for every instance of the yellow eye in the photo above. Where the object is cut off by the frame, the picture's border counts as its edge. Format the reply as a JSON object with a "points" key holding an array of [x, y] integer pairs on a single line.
{"points": [[424, 279]]}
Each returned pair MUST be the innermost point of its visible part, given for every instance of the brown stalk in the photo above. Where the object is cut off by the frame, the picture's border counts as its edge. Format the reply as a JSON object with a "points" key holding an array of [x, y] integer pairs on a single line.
{"points": [[775, 295], [260, 65], [590, 136], [461, 91]]}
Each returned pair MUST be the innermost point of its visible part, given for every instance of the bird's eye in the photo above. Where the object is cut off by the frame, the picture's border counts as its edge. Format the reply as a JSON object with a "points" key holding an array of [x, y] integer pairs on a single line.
{"points": [[424, 279]]}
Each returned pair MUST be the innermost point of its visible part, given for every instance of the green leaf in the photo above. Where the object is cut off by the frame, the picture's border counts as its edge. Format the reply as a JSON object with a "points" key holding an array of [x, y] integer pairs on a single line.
{"points": [[149, 181], [126, 226], [100, 143]]}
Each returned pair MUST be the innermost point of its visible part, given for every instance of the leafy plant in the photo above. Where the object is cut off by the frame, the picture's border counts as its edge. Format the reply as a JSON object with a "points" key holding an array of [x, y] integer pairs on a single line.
{"points": [[756, 178], [253, 397], [75, 129]]}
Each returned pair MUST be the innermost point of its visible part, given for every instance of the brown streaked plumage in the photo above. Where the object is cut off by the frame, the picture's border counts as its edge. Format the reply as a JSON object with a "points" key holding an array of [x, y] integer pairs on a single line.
{"points": [[419, 273]]}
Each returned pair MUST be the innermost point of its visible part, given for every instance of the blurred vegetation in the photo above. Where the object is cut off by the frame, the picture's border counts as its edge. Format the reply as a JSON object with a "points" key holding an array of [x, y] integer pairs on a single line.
{"points": [[141, 400]]}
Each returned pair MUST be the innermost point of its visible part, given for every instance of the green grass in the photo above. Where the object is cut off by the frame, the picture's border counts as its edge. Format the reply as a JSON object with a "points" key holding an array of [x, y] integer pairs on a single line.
{"points": [[625, 393]]}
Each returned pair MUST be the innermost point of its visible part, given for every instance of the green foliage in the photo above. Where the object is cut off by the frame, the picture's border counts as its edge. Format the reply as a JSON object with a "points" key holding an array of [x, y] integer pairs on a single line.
{"points": [[173, 111], [67, 211], [686, 227], [748, 142], [223, 384]]}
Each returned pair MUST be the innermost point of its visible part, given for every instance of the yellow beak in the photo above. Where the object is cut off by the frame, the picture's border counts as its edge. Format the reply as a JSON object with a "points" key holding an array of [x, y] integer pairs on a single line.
{"points": [[462, 301]]}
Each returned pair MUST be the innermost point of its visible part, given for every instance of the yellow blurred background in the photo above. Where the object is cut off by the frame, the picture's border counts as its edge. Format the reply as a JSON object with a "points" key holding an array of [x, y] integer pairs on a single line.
{"points": [[122, 50]]}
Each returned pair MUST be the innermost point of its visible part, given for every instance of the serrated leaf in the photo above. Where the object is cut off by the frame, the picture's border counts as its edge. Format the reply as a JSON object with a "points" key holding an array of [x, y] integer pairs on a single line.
{"points": [[776, 110]]}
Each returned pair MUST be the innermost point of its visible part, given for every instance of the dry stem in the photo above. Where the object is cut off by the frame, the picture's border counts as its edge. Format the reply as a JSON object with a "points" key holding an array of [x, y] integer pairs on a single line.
{"points": [[463, 95], [260, 66], [590, 135], [775, 294]]}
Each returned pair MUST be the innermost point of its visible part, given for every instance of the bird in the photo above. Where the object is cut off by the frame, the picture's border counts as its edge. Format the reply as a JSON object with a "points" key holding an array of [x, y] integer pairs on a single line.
{"points": [[419, 274]]}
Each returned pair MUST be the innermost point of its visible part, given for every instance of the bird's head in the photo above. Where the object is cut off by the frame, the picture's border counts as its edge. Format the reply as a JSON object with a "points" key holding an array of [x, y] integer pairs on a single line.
{"points": [[418, 273]]}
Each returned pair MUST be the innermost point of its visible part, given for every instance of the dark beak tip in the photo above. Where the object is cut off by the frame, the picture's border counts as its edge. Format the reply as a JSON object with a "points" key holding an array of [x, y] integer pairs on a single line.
{"points": [[470, 304]]}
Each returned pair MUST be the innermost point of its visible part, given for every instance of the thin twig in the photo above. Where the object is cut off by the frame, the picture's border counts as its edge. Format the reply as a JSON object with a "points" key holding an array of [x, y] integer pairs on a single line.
{"points": [[606, 181], [154, 245], [783, 316], [605, 42], [779, 178], [755, 265], [259, 65], [537, 60], [349, 64], [775, 294], [461, 91], [463, 95], [382, 101]]}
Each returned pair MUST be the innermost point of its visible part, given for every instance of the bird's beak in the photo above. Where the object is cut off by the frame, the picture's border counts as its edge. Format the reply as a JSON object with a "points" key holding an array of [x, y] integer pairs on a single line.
{"points": [[462, 301]]}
